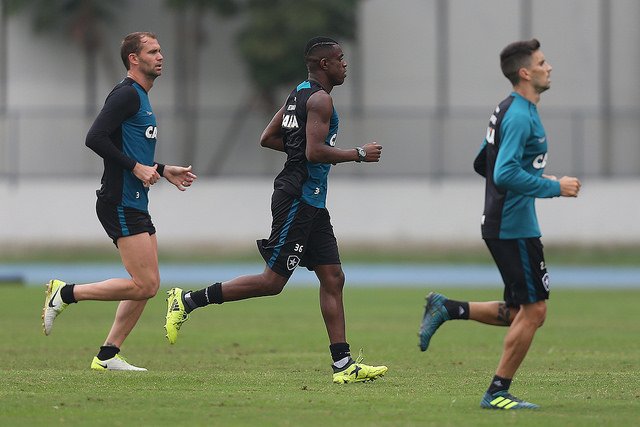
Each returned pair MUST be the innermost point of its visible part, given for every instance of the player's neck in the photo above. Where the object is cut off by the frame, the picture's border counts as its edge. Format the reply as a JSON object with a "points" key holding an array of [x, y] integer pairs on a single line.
{"points": [[528, 92], [323, 81], [141, 79]]}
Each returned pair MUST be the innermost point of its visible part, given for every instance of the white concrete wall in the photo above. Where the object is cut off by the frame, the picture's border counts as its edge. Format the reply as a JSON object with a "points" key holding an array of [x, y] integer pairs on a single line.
{"points": [[379, 212]]}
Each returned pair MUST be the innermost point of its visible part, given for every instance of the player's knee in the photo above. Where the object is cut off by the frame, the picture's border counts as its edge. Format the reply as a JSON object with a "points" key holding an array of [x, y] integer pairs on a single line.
{"points": [[331, 276], [542, 318], [539, 313], [273, 286], [337, 280], [151, 292], [148, 287]]}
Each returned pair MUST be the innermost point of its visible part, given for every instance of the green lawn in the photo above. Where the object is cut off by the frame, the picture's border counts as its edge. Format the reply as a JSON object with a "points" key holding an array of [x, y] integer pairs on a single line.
{"points": [[476, 253], [266, 362]]}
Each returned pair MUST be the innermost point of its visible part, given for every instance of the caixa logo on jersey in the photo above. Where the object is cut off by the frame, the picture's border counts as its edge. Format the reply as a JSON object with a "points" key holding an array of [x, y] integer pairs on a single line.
{"points": [[151, 132], [540, 162]]}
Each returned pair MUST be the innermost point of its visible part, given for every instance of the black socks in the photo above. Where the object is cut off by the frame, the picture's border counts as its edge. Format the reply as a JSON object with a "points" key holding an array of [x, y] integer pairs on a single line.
{"points": [[66, 293], [341, 355], [499, 384], [187, 300], [209, 295], [107, 352], [457, 309]]}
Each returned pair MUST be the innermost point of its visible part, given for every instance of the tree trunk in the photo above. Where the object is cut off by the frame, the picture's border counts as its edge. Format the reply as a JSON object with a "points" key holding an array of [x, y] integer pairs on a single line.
{"points": [[90, 77], [180, 92], [191, 86], [4, 52]]}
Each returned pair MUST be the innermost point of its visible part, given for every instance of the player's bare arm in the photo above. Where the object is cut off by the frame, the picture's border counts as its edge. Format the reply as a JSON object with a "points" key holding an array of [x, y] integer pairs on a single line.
{"points": [[319, 110], [179, 176], [272, 135]]}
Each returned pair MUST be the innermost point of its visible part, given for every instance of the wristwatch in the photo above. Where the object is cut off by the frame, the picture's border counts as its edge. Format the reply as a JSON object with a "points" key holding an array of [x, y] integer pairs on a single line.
{"points": [[361, 154]]}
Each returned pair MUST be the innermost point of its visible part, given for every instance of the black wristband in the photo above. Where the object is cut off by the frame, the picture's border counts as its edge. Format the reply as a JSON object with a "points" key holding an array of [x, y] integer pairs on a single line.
{"points": [[160, 168]]}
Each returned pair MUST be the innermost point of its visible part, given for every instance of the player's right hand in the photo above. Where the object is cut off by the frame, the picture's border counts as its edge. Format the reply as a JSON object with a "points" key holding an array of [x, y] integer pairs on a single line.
{"points": [[569, 186], [373, 150], [147, 174]]}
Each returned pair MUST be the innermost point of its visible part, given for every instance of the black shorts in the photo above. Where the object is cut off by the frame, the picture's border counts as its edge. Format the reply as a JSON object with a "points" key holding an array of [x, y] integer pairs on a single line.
{"points": [[523, 270], [119, 221], [300, 235]]}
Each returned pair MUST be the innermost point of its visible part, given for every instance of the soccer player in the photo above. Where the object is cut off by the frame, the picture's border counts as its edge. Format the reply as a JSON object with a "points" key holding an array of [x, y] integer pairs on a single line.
{"points": [[124, 135], [305, 128], [512, 160]]}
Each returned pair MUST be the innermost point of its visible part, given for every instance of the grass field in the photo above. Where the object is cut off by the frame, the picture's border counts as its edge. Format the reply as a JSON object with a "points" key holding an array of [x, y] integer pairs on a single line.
{"points": [[614, 255], [265, 362]]}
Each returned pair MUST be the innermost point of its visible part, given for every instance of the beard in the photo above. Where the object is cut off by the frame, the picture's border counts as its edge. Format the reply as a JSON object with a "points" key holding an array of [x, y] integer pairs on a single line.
{"points": [[543, 88], [151, 71]]}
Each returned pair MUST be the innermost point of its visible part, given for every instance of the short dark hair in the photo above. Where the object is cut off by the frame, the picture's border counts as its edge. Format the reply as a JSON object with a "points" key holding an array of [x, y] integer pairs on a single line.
{"points": [[318, 43], [132, 43], [515, 56]]}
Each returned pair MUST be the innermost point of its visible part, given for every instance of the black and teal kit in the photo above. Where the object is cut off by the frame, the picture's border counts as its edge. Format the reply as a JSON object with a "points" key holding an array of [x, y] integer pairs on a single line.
{"points": [[301, 178], [123, 134], [301, 231], [512, 160]]}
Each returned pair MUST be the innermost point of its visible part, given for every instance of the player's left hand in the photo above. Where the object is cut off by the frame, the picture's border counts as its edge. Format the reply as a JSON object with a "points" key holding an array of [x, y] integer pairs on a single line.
{"points": [[179, 176], [569, 186], [373, 150]]}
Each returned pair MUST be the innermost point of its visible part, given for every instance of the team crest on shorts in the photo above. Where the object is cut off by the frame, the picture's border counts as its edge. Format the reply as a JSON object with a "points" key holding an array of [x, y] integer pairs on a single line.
{"points": [[292, 262], [545, 281]]}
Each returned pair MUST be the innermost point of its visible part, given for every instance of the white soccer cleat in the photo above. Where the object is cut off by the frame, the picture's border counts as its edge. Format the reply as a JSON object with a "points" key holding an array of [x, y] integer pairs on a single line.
{"points": [[116, 363], [53, 304]]}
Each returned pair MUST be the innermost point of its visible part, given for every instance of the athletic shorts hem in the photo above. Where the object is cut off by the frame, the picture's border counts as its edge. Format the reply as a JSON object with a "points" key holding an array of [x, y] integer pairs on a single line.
{"points": [[523, 269], [119, 221]]}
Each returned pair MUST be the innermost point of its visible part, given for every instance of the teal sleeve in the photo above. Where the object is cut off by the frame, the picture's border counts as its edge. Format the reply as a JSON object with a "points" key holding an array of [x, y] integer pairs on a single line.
{"points": [[508, 173]]}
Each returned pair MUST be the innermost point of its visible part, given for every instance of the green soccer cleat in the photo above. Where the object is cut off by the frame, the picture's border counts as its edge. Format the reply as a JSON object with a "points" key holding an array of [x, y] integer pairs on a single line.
{"points": [[435, 314], [503, 400], [53, 304], [116, 363], [358, 372], [176, 314]]}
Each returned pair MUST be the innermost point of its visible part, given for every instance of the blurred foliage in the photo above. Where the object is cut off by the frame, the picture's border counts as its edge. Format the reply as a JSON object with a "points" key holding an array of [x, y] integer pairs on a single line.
{"points": [[80, 20], [221, 7], [191, 36], [73, 17], [271, 41], [276, 31]]}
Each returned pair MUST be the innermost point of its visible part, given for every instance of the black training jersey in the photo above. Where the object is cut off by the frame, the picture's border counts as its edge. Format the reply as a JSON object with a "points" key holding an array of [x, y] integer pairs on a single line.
{"points": [[124, 133], [512, 159], [301, 178]]}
